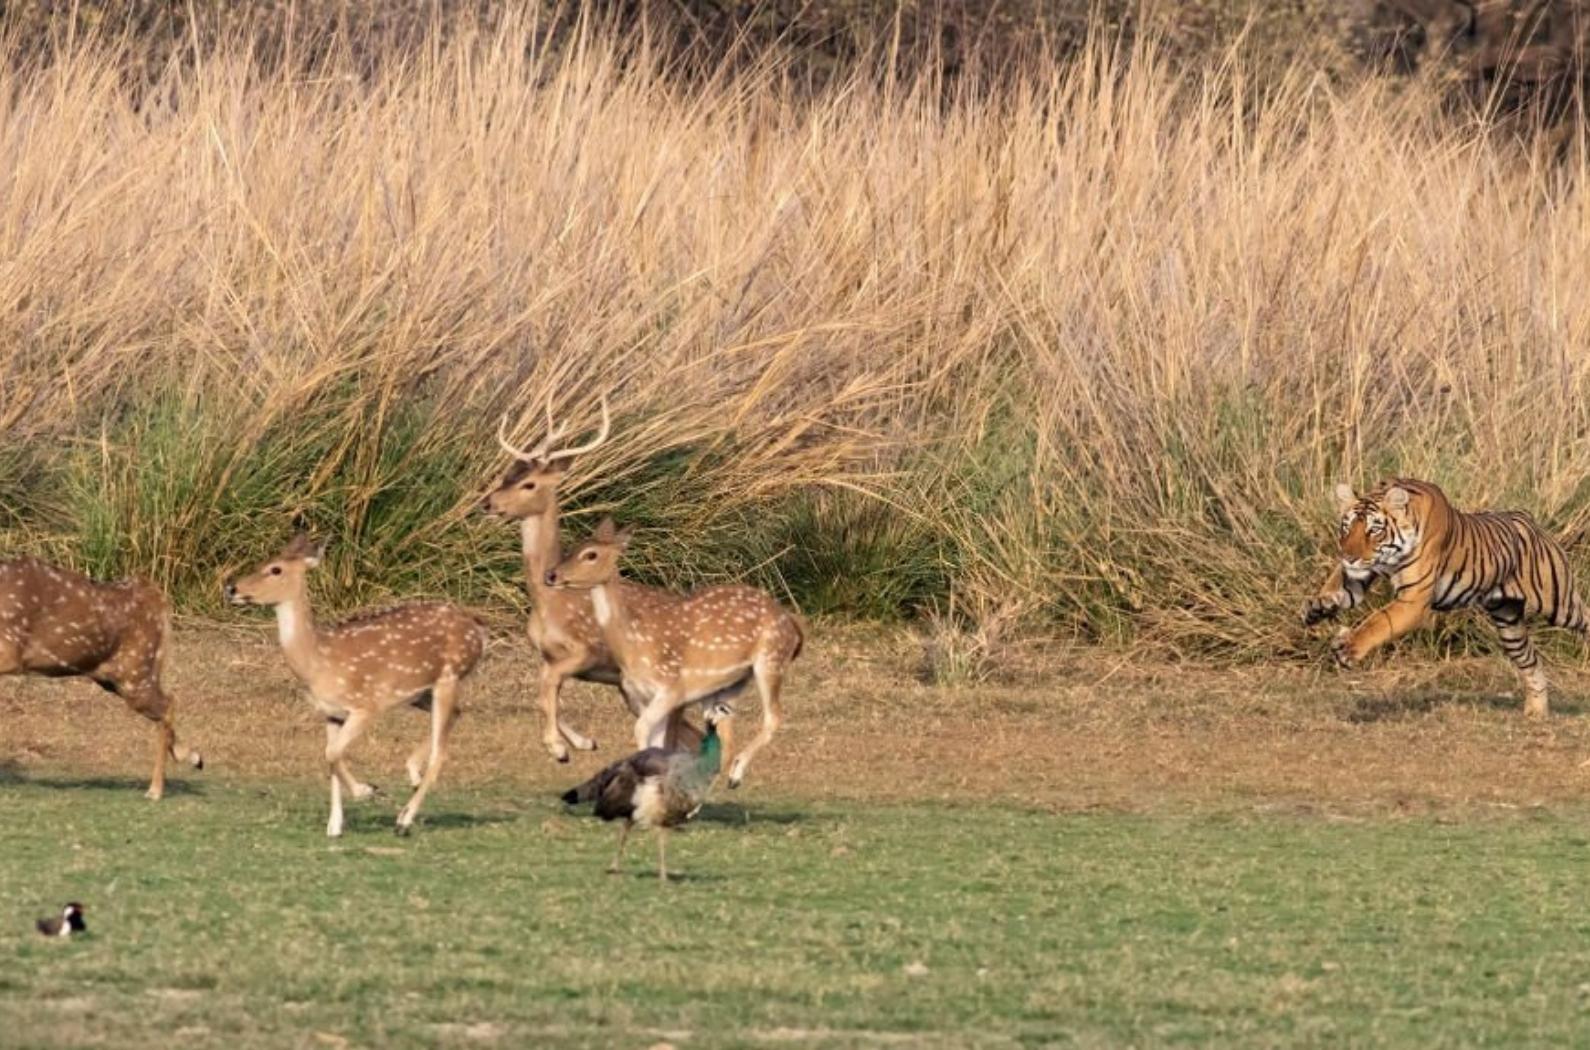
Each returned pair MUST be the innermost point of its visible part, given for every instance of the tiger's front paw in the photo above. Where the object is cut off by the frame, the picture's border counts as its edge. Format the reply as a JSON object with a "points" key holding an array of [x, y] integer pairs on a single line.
{"points": [[1345, 653], [1319, 608]]}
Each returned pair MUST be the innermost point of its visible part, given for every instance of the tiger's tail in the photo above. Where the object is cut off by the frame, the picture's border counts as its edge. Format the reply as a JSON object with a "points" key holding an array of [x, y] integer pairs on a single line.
{"points": [[1575, 616]]}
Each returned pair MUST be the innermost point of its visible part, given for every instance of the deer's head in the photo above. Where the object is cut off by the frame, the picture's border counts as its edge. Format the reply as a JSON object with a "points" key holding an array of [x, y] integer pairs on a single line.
{"points": [[531, 485], [279, 579], [593, 562]]}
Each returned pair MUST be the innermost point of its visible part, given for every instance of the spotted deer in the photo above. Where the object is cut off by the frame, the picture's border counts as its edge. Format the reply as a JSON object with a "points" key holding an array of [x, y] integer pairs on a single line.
{"points": [[675, 650], [563, 627], [59, 623], [413, 655]]}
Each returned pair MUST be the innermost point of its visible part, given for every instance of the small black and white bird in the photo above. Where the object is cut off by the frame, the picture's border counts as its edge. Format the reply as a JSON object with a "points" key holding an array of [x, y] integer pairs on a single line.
{"points": [[70, 921]]}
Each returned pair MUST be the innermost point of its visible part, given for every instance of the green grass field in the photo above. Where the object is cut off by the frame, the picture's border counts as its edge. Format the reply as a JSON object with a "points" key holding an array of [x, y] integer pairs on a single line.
{"points": [[223, 917]]}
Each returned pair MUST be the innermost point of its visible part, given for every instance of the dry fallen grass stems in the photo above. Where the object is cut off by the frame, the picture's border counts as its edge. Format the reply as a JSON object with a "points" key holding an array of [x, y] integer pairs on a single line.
{"points": [[1090, 347]]}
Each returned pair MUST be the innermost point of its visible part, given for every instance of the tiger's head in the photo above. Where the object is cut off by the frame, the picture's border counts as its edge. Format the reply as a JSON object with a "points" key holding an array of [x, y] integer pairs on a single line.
{"points": [[1379, 530]]}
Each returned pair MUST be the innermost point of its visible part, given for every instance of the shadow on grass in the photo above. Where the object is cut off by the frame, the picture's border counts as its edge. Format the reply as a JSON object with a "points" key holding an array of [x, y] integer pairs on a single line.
{"points": [[650, 875], [1416, 704], [447, 821], [733, 813], [13, 775]]}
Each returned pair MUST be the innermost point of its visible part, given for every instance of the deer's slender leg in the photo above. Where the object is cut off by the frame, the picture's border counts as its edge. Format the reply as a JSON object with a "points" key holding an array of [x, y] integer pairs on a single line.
{"points": [[351, 784], [444, 712], [618, 858], [680, 733], [416, 762], [164, 739], [577, 740], [146, 698], [553, 732], [769, 674], [632, 700], [357, 722], [652, 725], [662, 854]]}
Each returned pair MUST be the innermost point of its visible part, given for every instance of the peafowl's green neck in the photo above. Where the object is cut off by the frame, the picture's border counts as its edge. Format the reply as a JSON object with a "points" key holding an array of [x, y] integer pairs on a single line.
{"points": [[710, 758]]}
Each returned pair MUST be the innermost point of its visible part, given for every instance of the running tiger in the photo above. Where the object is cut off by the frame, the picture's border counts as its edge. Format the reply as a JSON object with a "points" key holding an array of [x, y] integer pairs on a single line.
{"points": [[1438, 558]]}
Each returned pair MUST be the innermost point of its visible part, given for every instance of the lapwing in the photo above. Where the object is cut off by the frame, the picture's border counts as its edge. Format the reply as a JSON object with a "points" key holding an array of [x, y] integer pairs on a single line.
{"points": [[70, 921]]}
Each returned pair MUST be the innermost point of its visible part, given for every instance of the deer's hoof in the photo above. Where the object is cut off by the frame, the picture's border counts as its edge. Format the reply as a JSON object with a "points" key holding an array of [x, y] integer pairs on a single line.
{"points": [[153, 794]]}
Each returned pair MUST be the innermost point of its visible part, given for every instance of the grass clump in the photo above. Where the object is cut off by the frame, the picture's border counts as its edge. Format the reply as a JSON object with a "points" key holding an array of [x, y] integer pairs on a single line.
{"points": [[1084, 347]]}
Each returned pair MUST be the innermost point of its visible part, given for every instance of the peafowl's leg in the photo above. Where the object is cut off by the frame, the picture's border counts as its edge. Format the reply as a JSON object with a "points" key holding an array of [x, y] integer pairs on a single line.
{"points": [[662, 854], [623, 835]]}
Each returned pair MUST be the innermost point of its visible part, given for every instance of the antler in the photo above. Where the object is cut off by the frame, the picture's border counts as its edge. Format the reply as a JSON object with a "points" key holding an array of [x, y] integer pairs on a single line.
{"points": [[601, 436], [540, 451], [543, 450]]}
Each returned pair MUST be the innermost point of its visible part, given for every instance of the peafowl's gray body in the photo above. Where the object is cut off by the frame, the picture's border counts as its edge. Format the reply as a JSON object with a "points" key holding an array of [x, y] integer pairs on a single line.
{"points": [[658, 788]]}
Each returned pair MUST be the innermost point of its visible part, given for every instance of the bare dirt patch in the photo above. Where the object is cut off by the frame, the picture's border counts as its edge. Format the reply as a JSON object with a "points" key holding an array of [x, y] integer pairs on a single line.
{"points": [[1068, 730]]}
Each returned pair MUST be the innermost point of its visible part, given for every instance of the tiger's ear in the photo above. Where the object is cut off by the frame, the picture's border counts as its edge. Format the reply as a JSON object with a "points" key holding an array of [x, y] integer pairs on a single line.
{"points": [[1397, 497], [1344, 496]]}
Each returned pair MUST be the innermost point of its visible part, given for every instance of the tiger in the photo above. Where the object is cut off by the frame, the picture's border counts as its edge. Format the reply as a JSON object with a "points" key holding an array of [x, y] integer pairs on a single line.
{"points": [[1438, 558]]}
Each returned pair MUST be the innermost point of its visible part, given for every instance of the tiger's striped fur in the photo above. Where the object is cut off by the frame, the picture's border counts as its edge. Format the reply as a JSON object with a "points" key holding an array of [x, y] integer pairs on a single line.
{"points": [[1438, 558]]}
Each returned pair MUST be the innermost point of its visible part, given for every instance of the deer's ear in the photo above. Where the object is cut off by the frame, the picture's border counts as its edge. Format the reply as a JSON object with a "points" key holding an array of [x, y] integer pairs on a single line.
{"points": [[622, 537], [606, 531], [305, 549], [1344, 496]]}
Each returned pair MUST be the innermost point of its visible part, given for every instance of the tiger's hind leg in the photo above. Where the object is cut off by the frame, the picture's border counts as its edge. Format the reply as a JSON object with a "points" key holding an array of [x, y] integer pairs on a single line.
{"points": [[1508, 619]]}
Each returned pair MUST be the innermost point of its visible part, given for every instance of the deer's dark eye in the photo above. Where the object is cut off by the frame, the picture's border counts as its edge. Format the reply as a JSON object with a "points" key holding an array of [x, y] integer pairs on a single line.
{"points": [[528, 486], [590, 555], [276, 570]]}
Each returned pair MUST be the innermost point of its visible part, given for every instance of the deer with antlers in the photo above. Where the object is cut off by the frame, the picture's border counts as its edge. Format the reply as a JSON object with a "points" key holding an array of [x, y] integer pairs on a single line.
{"points": [[562, 626], [676, 650], [59, 623], [413, 655]]}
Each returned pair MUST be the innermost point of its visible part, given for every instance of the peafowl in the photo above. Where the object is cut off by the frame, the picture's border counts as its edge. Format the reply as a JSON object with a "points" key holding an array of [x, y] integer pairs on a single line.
{"points": [[658, 788]]}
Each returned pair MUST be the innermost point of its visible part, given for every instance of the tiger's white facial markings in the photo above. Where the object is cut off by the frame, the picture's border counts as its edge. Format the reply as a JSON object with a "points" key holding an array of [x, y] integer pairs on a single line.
{"points": [[1384, 544]]}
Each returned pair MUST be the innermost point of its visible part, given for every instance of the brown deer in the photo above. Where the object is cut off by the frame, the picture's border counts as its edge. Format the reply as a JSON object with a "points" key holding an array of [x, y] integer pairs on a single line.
{"points": [[59, 623], [676, 650], [378, 659], [562, 626]]}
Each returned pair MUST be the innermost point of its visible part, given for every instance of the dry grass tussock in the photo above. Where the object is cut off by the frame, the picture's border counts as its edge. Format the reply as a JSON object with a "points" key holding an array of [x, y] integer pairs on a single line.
{"points": [[1086, 351]]}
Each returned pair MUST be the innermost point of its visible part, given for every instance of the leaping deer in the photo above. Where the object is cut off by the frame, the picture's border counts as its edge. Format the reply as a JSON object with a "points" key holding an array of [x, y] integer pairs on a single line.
{"points": [[562, 626], [676, 650], [59, 623], [415, 654]]}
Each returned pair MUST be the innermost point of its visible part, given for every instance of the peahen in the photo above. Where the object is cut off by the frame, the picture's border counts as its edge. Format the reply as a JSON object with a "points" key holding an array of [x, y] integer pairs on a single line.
{"points": [[658, 788]]}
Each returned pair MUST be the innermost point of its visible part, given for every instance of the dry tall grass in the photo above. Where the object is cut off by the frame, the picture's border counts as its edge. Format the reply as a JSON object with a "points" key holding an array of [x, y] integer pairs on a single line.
{"points": [[1086, 352]]}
